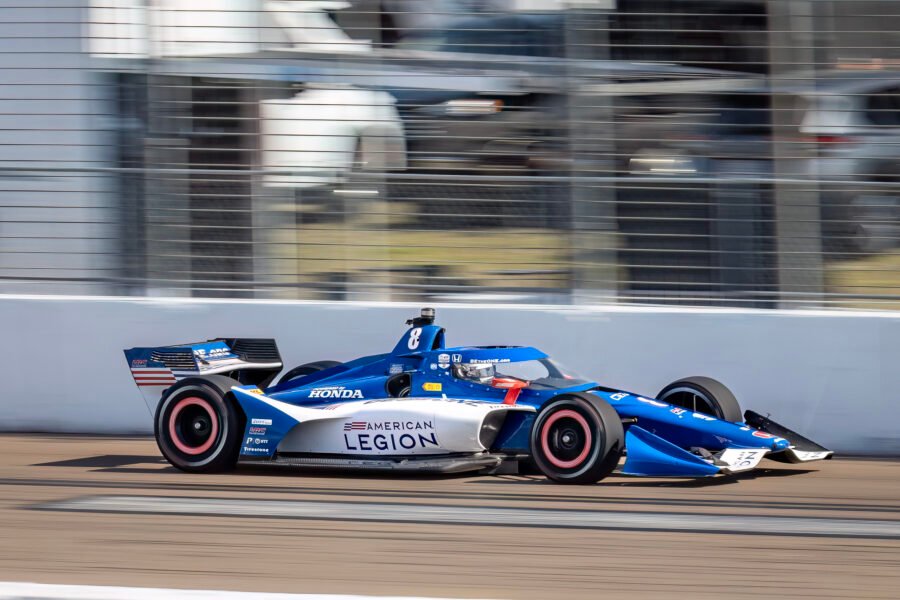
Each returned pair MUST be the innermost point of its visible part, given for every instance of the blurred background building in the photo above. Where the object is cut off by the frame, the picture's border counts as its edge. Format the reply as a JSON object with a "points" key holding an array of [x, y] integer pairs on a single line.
{"points": [[700, 152]]}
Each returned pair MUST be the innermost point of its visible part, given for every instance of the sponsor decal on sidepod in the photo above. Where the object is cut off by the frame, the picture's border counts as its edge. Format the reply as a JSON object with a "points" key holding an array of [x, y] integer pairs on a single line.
{"points": [[335, 392], [418, 434]]}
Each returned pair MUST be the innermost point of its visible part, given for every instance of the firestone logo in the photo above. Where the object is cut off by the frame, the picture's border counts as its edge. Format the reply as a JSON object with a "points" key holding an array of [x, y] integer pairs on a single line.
{"points": [[335, 392]]}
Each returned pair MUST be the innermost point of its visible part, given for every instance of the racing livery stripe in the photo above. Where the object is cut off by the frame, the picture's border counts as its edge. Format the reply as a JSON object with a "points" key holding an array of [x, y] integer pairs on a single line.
{"points": [[150, 377]]}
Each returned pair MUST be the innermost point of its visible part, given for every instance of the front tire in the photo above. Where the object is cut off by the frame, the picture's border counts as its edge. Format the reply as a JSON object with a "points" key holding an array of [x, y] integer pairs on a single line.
{"points": [[198, 428], [703, 395], [577, 438]]}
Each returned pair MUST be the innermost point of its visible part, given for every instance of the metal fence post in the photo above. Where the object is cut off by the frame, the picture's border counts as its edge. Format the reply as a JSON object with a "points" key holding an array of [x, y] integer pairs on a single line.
{"points": [[798, 232], [592, 150]]}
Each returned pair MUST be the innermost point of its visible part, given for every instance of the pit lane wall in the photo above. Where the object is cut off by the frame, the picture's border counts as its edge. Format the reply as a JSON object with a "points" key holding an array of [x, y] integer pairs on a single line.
{"points": [[834, 376]]}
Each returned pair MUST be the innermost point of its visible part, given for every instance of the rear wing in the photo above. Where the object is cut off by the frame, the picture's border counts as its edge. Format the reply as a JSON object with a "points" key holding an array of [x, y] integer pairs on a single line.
{"points": [[251, 361]]}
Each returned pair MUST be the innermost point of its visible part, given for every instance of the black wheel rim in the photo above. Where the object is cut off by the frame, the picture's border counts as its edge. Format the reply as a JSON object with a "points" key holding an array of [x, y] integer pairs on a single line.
{"points": [[193, 425], [565, 439]]}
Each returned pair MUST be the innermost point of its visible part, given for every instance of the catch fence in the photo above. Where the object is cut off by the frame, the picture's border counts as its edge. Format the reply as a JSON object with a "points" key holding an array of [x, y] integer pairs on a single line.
{"points": [[706, 153]]}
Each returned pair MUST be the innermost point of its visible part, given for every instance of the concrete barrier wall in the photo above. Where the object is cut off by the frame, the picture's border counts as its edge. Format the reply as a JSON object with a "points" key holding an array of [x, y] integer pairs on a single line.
{"points": [[833, 376]]}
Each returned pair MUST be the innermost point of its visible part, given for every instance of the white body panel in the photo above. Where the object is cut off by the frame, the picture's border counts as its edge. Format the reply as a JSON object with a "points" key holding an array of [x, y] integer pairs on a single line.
{"points": [[400, 426], [741, 459], [798, 456]]}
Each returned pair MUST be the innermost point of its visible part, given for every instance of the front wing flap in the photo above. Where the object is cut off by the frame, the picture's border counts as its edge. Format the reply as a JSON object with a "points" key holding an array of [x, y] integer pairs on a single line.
{"points": [[802, 449]]}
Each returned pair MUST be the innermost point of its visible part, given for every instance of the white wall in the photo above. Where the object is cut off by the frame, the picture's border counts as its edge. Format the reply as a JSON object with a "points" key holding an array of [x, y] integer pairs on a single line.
{"points": [[833, 376]]}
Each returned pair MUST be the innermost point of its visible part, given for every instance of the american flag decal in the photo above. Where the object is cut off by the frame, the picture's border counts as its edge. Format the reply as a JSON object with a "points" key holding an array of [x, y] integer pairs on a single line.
{"points": [[153, 377], [355, 426]]}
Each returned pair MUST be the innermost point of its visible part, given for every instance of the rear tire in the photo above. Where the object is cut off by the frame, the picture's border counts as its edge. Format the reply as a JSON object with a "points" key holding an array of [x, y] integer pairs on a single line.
{"points": [[703, 395], [198, 428], [307, 369], [577, 438], [399, 386]]}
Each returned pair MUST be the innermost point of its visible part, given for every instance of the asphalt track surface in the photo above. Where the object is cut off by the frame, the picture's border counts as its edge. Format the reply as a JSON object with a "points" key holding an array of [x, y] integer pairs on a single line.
{"points": [[110, 511]]}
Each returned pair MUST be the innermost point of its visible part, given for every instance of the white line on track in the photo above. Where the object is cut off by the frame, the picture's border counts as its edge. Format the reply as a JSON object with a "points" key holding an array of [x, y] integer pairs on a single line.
{"points": [[498, 516], [36, 591]]}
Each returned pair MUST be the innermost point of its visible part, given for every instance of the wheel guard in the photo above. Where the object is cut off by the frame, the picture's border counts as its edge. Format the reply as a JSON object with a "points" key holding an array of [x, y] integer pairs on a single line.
{"points": [[651, 455], [802, 449]]}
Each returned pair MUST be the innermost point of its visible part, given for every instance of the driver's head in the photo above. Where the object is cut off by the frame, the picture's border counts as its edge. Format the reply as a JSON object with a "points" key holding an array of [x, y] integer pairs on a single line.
{"points": [[479, 373]]}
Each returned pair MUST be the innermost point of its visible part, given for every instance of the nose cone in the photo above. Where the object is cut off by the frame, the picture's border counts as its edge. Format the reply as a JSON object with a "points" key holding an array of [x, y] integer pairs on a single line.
{"points": [[780, 444], [755, 438], [773, 441]]}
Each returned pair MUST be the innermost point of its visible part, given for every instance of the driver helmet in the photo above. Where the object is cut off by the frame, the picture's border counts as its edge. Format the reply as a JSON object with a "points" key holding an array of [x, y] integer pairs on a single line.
{"points": [[479, 373]]}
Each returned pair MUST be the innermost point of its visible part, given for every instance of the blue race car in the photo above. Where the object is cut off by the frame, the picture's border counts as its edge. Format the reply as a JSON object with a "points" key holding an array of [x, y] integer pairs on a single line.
{"points": [[426, 407]]}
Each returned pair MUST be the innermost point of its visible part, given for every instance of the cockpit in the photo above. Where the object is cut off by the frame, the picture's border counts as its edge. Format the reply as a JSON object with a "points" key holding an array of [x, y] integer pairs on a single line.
{"points": [[534, 373]]}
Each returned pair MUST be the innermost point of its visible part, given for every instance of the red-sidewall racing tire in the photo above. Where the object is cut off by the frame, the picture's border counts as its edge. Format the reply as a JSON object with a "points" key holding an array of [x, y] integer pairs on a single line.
{"points": [[198, 426], [577, 438]]}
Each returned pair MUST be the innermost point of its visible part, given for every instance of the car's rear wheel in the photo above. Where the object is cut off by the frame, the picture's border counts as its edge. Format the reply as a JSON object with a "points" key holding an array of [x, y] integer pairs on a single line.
{"points": [[577, 438], [399, 386], [308, 369], [198, 428], [703, 395]]}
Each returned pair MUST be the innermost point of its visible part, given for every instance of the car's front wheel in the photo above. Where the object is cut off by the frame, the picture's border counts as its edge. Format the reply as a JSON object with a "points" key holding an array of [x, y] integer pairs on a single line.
{"points": [[198, 429], [703, 395], [577, 438]]}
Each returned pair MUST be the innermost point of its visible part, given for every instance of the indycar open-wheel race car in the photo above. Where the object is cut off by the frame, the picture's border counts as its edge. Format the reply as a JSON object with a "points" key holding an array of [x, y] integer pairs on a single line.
{"points": [[427, 407]]}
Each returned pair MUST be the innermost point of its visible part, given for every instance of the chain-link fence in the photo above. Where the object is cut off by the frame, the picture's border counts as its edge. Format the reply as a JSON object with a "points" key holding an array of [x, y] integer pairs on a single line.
{"points": [[736, 153]]}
